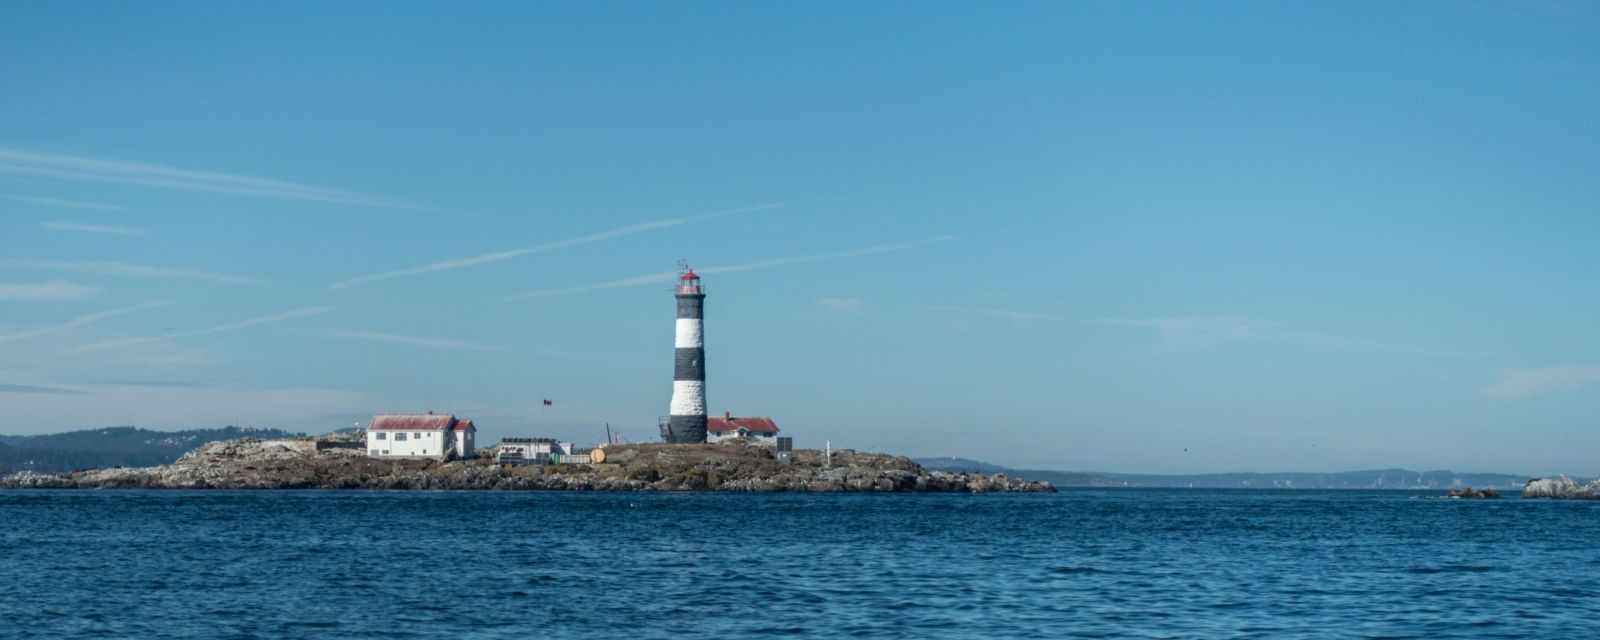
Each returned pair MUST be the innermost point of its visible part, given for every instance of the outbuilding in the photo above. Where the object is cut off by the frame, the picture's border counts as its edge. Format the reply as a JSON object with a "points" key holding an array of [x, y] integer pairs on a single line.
{"points": [[757, 430], [524, 450], [421, 436]]}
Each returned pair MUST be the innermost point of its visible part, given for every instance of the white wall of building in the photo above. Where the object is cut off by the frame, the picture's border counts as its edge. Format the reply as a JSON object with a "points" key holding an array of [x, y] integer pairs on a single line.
{"points": [[406, 444], [766, 439], [536, 452]]}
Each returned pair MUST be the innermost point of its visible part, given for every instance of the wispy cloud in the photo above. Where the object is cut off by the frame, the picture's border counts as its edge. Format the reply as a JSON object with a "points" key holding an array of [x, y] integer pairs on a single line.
{"points": [[28, 388], [63, 225], [54, 290], [841, 305], [64, 204], [21, 162], [1516, 384], [668, 276], [180, 407], [125, 270], [1220, 328], [83, 321], [1348, 343], [169, 356], [431, 343], [304, 312], [1191, 327], [995, 313], [153, 384], [1213, 329], [497, 256]]}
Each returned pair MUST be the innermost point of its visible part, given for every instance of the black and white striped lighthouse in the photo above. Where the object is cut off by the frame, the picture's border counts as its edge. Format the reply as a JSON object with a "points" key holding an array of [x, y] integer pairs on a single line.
{"points": [[687, 422]]}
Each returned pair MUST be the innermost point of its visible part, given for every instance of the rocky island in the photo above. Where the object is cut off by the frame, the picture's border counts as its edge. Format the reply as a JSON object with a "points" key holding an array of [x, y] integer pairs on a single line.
{"points": [[1476, 494], [250, 463]]}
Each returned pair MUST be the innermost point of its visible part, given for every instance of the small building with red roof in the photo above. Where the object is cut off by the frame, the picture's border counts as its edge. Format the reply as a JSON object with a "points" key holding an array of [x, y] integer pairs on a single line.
{"points": [[755, 430], [427, 435]]}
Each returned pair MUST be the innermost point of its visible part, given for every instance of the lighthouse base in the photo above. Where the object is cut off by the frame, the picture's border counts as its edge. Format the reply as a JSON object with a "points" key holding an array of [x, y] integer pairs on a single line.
{"points": [[684, 430]]}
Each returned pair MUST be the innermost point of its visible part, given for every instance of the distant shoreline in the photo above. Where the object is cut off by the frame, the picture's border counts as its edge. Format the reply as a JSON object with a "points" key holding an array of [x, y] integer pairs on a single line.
{"points": [[1376, 479]]}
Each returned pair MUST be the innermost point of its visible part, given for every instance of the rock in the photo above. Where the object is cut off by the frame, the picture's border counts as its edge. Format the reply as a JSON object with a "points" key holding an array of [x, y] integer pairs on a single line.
{"points": [[824, 486], [1561, 488], [1469, 492], [901, 480], [34, 480]]}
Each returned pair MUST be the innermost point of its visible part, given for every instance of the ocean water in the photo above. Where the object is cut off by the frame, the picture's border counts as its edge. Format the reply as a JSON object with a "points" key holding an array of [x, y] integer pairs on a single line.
{"points": [[1091, 564]]}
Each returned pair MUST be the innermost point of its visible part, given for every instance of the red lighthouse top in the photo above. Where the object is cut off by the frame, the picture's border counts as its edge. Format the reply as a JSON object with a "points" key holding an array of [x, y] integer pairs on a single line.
{"points": [[689, 282]]}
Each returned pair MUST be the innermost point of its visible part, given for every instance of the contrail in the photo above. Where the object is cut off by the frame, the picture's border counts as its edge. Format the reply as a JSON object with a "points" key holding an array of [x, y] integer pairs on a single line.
{"points": [[668, 276], [432, 343], [59, 202], [29, 388], [54, 290], [83, 320], [63, 225], [17, 161], [997, 313], [125, 270], [304, 312], [497, 256]]}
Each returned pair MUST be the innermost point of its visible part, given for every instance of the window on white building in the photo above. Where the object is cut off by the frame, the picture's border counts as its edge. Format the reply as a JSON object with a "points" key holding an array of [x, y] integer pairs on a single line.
{"points": [[381, 436], [400, 437]]}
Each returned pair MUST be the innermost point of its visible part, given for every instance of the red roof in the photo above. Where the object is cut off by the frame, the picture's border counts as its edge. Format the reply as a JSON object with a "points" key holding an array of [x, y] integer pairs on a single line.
{"points": [[465, 425], [689, 275], [427, 422], [720, 424]]}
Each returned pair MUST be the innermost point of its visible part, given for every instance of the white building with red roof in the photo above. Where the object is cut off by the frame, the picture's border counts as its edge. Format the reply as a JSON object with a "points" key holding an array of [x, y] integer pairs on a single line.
{"points": [[757, 430], [421, 436]]}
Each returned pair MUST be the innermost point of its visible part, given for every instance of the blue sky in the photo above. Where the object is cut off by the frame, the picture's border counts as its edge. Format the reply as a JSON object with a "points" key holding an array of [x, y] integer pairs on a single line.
{"points": [[1069, 235]]}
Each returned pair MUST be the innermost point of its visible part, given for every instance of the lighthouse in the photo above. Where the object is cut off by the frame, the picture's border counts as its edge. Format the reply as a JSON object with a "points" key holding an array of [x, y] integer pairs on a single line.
{"points": [[686, 423]]}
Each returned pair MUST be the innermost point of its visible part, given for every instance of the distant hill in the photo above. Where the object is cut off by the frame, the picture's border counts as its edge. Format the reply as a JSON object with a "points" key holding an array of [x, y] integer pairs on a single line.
{"points": [[1058, 478], [112, 447], [1373, 479], [1370, 479], [959, 464]]}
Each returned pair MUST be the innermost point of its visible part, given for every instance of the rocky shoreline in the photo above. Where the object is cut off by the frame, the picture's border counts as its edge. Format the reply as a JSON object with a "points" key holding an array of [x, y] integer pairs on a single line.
{"points": [[250, 463]]}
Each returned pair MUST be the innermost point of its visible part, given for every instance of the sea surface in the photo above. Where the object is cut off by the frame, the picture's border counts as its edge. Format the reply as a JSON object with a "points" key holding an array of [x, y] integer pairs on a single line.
{"points": [[1078, 564]]}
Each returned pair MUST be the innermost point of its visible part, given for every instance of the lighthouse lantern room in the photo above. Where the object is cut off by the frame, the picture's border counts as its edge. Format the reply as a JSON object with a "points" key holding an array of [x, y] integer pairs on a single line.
{"points": [[689, 283]]}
